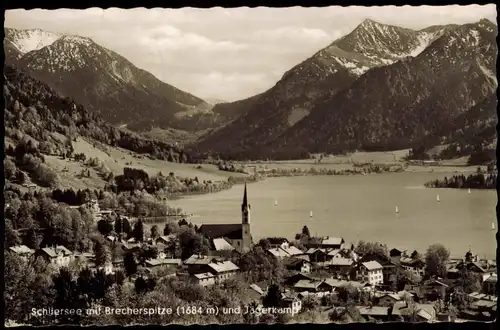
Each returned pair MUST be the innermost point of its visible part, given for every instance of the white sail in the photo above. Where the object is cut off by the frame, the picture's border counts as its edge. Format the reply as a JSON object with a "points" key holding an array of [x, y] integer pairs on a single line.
{"points": [[469, 191], [397, 210], [492, 226], [437, 198], [311, 214], [276, 203]]}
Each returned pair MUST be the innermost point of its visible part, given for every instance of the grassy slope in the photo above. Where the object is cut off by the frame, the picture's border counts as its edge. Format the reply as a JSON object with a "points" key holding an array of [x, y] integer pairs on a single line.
{"points": [[115, 159]]}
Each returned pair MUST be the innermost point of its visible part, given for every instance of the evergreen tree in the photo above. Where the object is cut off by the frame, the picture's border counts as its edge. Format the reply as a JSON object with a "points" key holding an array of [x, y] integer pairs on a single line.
{"points": [[130, 264], [138, 232], [305, 231]]}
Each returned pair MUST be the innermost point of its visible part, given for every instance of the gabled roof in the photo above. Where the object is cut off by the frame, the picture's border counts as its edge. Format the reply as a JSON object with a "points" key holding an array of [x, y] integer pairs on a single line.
{"points": [[292, 250], [257, 289], [21, 249], [203, 276], [220, 244], [225, 266], [334, 252], [332, 240], [231, 231], [196, 259], [294, 262], [53, 252], [308, 284], [314, 250], [373, 310], [277, 252], [391, 295], [158, 262], [166, 238], [340, 262], [372, 265]]}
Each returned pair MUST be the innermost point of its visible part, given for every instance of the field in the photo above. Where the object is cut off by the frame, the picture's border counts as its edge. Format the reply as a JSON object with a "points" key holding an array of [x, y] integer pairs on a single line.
{"points": [[115, 159]]}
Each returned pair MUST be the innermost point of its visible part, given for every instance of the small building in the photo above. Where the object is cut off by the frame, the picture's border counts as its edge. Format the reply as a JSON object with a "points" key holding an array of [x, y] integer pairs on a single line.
{"points": [[204, 279], [22, 251], [332, 243], [223, 270], [317, 255], [296, 264], [278, 242], [291, 300], [255, 293], [199, 263], [278, 253], [312, 286], [388, 299], [374, 313], [396, 254], [413, 312], [292, 250], [371, 272], [490, 283], [414, 266], [339, 265], [58, 256], [159, 263], [293, 279]]}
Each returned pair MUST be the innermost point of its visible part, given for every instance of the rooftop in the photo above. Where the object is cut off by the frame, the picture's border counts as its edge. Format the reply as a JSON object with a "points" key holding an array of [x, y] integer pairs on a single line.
{"points": [[332, 241], [196, 259], [220, 244], [277, 252], [158, 262], [21, 249], [372, 265], [53, 252], [224, 266], [203, 276], [373, 310], [292, 250], [231, 231]]}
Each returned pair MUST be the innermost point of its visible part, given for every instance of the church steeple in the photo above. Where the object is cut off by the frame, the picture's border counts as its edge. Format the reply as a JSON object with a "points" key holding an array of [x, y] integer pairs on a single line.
{"points": [[245, 207]]}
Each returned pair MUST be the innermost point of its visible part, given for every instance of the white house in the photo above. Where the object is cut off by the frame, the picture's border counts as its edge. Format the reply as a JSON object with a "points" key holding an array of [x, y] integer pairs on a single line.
{"points": [[223, 270], [204, 279], [23, 251], [371, 272], [58, 256]]}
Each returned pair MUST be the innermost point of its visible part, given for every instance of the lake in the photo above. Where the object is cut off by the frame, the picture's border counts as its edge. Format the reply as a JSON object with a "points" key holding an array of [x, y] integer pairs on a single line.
{"points": [[360, 208]]}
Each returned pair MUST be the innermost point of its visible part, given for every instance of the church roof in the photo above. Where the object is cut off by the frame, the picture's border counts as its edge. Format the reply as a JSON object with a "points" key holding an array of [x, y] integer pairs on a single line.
{"points": [[231, 231]]}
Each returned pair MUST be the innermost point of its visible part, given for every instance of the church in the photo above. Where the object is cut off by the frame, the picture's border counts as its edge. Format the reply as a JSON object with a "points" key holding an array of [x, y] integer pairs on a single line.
{"points": [[237, 235]]}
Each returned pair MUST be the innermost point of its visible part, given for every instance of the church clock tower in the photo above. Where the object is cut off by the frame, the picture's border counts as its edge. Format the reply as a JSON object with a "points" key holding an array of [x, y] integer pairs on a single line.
{"points": [[245, 223]]}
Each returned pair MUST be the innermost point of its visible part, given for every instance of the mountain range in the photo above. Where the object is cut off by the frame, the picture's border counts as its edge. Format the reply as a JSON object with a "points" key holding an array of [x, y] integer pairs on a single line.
{"points": [[380, 87], [105, 82]]}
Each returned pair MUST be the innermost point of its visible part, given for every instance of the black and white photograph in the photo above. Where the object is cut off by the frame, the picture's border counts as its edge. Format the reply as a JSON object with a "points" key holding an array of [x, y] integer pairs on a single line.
{"points": [[293, 165]]}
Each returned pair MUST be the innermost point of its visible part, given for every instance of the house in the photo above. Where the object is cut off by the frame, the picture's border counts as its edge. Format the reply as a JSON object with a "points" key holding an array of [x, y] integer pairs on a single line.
{"points": [[374, 313], [317, 255], [23, 251], [166, 239], [371, 272], [338, 265], [412, 312], [159, 263], [312, 242], [238, 235], [293, 279], [278, 253], [199, 263], [292, 300], [388, 299], [292, 250], [297, 264], [389, 267], [414, 266], [278, 242], [332, 243], [58, 256], [312, 286], [223, 270], [395, 254], [204, 279], [490, 283], [434, 289]]}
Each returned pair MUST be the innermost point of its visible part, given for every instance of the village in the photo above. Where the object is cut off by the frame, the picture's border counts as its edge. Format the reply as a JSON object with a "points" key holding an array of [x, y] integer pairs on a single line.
{"points": [[391, 285]]}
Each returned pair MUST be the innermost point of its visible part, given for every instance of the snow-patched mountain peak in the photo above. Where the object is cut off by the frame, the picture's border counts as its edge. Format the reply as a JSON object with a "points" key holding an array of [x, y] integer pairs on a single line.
{"points": [[32, 39]]}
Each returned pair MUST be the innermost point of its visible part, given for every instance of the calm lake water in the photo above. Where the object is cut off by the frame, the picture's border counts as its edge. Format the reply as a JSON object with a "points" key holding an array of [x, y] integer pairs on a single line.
{"points": [[360, 208]]}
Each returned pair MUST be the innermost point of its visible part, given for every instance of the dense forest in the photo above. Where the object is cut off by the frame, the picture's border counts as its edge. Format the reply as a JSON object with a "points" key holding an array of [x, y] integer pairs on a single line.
{"points": [[34, 111], [473, 181]]}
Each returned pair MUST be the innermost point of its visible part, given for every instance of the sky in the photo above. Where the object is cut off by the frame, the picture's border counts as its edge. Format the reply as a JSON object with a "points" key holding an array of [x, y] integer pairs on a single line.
{"points": [[229, 53]]}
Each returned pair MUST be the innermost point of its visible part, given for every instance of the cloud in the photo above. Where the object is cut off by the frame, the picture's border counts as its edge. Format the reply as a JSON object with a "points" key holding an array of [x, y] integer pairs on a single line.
{"points": [[229, 53]]}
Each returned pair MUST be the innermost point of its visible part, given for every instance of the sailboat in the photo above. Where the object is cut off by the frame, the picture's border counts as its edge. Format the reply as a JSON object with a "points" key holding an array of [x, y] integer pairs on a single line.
{"points": [[469, 191], [311, 214], [437, 198], [492, 226], [397, 210], [275, 202]]}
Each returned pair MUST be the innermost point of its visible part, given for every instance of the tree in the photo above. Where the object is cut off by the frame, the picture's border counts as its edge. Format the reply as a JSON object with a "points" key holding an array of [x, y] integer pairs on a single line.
{"points": [[155, 232], [102, 254], [305, 231], [104, 227], [130, 264], [265, 244], [170, 228], [11, 236], [273, 296], [138, 232], [118, 226], [415, 255], [436, 258]]}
